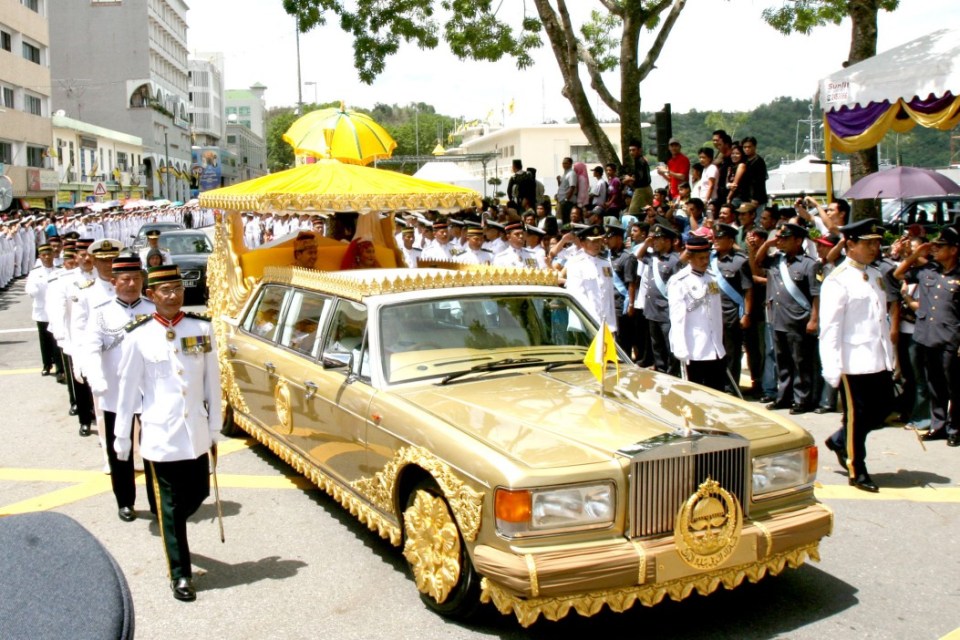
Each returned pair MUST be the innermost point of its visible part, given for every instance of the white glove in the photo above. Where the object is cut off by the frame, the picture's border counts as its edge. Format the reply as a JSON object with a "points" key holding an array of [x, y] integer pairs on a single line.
{"points": [[122, 447], [98, 387]]}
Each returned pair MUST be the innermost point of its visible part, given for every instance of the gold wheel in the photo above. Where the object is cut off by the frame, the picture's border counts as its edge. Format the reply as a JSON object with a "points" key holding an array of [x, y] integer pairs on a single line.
{"points": [[432, 546]]}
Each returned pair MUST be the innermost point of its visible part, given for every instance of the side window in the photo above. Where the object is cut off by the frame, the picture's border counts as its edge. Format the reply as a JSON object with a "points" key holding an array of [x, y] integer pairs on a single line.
{"points": [[302, 322], [345, 336], [263, 319]]}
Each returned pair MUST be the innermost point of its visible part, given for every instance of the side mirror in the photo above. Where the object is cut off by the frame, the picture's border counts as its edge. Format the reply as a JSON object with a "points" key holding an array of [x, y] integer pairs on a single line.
{"points": [[337, 360]]}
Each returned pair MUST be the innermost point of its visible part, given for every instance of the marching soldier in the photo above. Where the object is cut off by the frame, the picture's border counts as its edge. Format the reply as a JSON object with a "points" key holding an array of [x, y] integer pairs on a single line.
{"points": [[171, 357], [101, 347], [855, 347], [696, 317], [36, 288]]}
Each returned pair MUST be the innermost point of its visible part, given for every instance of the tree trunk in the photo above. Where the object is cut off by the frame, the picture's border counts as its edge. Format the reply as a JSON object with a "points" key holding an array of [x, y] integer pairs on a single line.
{"points": [[630, 124], [863, 45]]}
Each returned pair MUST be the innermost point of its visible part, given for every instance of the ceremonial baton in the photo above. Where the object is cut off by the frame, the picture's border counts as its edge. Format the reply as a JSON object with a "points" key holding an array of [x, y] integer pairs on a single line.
{"points": [[216, 492]]}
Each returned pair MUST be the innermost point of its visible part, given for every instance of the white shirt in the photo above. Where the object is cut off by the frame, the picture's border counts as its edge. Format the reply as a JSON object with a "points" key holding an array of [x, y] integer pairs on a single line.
{"points": [[520, 258], [175, 384], [705, 190], [696, 316], [590, 281], [480, 256], [36, 288], [854, 329]]}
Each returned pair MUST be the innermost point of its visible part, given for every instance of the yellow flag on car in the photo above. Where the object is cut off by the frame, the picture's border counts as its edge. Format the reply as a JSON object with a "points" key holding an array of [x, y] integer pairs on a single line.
{"points": [[602, 350]]}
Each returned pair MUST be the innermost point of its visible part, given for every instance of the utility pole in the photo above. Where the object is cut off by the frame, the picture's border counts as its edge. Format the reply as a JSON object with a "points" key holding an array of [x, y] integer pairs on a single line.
{"points": [[166, 155], [299, 81]]}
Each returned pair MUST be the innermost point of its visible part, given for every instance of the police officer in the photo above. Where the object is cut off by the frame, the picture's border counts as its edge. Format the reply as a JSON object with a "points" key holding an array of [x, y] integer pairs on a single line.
{"points": [[625, 277], [516, 254], [101, 348], [589, 278], [171, 357], [938, 293], [793, 292], [731, 270], [855, 348], [696, 317], [658, 268]]}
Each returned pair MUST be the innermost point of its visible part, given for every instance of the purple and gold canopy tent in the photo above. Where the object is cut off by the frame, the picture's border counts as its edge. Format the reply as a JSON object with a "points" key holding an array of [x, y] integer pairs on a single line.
{"points": [[915, 83]]}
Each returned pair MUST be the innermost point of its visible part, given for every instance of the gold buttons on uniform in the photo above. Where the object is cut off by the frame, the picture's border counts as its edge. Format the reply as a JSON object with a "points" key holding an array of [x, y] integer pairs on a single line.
{"points": [[179, 372]]}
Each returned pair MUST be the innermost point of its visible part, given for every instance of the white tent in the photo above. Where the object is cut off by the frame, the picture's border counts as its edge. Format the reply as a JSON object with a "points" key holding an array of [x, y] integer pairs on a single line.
{"points": [[806, 175], [449, 173]]}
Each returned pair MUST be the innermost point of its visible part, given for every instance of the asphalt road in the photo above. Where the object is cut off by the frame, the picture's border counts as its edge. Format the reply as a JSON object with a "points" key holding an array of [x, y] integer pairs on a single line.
{"points": [[296, 565]]}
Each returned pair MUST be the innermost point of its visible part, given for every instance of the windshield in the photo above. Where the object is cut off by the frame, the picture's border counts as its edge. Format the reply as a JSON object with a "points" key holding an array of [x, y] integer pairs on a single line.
{"points": [[186, 244], [449, 335]]}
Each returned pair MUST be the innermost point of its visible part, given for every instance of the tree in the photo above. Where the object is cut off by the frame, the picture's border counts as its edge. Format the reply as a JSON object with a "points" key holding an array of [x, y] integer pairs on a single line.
{"points": [[474, 29], [803, 16]]}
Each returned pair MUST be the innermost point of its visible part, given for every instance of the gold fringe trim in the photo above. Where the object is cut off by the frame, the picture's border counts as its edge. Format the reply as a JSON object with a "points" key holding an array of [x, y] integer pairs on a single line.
{"points": [[528, 610], [374, 520], [389, 281]]}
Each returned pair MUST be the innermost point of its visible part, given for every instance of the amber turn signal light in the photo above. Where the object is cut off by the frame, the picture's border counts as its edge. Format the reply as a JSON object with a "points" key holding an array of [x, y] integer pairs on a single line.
{"points": [[512, 506]]}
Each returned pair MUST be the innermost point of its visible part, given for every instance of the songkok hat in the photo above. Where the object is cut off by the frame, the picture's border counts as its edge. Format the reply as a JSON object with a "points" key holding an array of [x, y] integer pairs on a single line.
{"points": [[127, 263], [163, 273], [439, 224], [513, 226], [69, 252], [863, 230], [474, 229], [106, 249], [304, 240], [407, 231], [696, 244], [45, 248], [84, 244]]}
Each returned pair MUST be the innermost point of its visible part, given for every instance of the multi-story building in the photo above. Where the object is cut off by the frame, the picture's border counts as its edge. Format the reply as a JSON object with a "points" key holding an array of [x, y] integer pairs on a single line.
{"points": [[249, 149], [134, 81], [25, 103], [249, 107], [206, 98], [95, 163]]}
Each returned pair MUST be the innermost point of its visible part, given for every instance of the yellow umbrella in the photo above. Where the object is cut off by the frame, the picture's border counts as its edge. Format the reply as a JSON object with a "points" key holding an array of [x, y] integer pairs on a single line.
{"points": [[347, 136], [328, 186]]}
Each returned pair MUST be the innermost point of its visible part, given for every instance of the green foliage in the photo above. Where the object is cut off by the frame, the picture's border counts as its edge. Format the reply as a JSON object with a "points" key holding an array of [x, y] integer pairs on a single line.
{"points": [[802, 16], [598, 35]]}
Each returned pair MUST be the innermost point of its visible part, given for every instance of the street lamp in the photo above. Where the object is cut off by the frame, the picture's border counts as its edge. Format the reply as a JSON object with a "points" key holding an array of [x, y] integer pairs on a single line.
{"points": [[314, 85]]}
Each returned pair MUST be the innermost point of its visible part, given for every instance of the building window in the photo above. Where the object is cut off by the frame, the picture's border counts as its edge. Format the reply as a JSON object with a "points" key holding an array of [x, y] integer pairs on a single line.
{"points": [[7, 97], [5, 41], [33, 5], [31, 52], [245, 123], [231, 139], [121, 160], [244, 111], [35, 156], [231, 111], [33, 104], [6, 152]]}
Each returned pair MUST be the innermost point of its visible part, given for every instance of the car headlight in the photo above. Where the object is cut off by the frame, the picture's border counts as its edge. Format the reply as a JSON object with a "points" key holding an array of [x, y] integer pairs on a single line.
{"points": [[527, 512], [786, 470]]}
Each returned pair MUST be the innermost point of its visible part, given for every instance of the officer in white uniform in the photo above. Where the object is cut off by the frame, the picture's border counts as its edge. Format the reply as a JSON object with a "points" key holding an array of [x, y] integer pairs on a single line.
{"points": [[441, 248], [171, 357], [696, 317], [590, 278], [153, 242], [36, 288], [516, 254], [101, 353], [855, 348], [411, 253], [474, 253]]}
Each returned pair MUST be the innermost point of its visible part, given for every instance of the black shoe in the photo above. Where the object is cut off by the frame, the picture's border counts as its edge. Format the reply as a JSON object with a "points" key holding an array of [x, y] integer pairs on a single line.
{"points": [[798, 409], [73, 410], [766, 399], [62, 379], [822, 410], [939, 434], [45, 372], [953, 440], [127, 514], [838, 450], [864, 483], [183, 589], [776, 405], [84, 430]]}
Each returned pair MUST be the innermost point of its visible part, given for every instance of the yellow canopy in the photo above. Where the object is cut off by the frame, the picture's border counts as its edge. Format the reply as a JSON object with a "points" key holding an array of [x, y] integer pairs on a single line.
{"points": [[347, 136], [329, 186]]}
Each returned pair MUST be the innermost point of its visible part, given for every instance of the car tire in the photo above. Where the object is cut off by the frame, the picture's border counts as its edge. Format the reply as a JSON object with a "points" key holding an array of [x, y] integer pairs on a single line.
{"points": [[230, 427], [437, 557]]}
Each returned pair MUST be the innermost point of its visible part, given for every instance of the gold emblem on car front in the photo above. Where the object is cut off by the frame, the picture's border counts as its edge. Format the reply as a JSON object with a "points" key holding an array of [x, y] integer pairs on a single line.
{"points": [[708, 526]]}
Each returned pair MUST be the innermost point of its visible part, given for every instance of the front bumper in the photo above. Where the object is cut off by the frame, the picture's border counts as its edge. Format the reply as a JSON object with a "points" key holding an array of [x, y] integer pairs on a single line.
{"points": [[553, 580]]}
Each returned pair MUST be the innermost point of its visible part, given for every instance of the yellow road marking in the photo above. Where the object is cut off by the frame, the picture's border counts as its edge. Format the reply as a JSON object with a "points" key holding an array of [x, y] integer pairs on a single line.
{"points": [[953, 635], [911, 494], [60, 497], [18, 372]]}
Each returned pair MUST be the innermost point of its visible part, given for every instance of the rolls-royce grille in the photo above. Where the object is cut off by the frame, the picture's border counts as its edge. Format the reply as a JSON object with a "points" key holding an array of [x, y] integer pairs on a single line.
{"points": [[668, 472]]}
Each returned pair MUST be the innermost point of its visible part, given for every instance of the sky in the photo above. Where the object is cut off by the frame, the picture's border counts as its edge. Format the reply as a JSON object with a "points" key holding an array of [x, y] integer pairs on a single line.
{"points": [[695, 70]]}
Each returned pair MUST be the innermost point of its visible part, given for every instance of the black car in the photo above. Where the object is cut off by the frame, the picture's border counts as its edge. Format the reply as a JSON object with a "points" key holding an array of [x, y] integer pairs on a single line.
{"points": [[932, 212], [140, 240], [190, 249]]}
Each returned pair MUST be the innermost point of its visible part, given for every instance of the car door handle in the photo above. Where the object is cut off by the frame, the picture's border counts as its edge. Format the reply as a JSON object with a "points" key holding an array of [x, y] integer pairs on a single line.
{"points": [[311, 390], [232, 348], [271, 368]]}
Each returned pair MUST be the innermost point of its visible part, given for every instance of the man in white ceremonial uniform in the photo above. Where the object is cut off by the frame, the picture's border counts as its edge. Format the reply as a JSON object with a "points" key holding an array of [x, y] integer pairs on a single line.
{"points": [[252, 233], [696, 317], [411, 253], [36, 287], [100, 346], [171, 357], [855, 348], [590, 278], [516, 254], [441, 248], [474, 253], [492, 240]]}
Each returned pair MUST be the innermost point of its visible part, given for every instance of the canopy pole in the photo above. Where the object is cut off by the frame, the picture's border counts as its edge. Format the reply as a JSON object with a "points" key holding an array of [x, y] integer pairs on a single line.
{"points": [[828, 156]]}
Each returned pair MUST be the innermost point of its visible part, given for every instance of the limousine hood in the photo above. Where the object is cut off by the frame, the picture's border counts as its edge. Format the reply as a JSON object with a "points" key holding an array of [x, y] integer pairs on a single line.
{"points": [[559, 418]]}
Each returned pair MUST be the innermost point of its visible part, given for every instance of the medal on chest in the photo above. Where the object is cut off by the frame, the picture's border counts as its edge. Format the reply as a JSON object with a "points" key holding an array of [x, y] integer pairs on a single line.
{"points": [[169, 324]]}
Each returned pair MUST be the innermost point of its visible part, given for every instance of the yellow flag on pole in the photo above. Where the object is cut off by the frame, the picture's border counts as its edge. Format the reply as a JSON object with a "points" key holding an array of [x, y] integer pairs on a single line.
{"points": [[602, 350]]}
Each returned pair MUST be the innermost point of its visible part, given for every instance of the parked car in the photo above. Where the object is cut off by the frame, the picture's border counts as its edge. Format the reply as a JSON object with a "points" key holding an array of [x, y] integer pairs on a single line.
{"points": [[140, 240], [190, 249], [930, 211], [452, 412]]}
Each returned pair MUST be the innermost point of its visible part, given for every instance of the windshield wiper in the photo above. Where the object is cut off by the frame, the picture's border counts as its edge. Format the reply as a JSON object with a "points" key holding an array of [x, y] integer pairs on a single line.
{"points": [[496, 365], [562, 363]]}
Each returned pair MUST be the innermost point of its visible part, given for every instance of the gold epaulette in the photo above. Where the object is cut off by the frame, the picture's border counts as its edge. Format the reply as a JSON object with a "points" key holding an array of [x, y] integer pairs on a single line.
{"points": [[198, 316], [86, 284], [138, 321]]}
